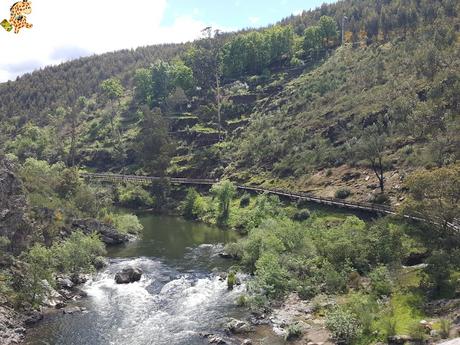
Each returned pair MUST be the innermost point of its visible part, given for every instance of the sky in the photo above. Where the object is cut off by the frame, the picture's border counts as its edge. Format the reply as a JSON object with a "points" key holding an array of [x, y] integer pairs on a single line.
{"points": [[65, 30]]}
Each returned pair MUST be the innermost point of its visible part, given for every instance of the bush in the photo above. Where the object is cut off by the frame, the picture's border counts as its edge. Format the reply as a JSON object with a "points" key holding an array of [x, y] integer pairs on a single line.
{"points": [[77, 253], [381, 199], [343, 325], [301, 215], [242, 301], [134, 196], [342, 193], [223, 192], [193, 206], [39, 268], [418, 333], [245, 200], [381, 281], [390, 327], [293, 331], [231, 280], [445, 325], [270, 275], [127, 223]]}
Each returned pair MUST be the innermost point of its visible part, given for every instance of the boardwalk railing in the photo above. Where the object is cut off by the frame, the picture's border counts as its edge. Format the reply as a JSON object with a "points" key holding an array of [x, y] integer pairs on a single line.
{"points": [[294, 195], [361, 206]]}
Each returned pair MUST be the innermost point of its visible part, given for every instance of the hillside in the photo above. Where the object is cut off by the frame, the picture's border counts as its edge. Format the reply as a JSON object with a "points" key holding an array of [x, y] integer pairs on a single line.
{"points": [[297, 108], [368, 113]]}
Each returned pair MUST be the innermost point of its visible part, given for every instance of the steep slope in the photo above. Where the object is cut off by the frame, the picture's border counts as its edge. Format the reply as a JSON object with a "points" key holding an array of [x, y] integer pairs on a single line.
{"points": [[310, 135], [295, 110]]}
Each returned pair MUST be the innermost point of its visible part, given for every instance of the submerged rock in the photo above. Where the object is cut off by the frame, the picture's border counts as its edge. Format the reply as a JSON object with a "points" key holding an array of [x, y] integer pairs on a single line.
{"points": [[32, 317], [236, 326], [128, 275], [73, 310]]}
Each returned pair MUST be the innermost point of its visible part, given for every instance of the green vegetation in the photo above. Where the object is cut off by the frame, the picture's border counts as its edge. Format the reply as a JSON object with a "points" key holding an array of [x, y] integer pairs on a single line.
{"points": [[134, 196], [332, 255], [54, 197], [374, 119]]}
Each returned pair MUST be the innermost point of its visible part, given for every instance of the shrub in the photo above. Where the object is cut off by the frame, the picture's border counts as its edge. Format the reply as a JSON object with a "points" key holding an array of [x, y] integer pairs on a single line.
{"points": [[445, 325], [242, 301], [134, 196], [271, 276], [127, 223], [381, 199], [231, 280], [301, 215], [293, 331], [193, 206], [223, 192], [390, 327], [77, 253], [343, 325], [381, 281], [39, 267], [342, 193], [245, 200], [418, 333]]}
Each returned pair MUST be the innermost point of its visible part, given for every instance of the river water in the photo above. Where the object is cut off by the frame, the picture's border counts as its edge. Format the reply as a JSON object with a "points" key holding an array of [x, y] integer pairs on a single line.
{"points": [[179, 295]]}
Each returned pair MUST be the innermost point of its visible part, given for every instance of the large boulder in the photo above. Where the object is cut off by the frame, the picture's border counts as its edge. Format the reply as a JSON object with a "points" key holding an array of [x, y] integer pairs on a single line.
{"points": [[128, 275], [109, 235]]}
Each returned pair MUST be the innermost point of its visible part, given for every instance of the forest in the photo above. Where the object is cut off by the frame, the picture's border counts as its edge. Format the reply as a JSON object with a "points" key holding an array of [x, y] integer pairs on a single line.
{"points": [[356, 100]]}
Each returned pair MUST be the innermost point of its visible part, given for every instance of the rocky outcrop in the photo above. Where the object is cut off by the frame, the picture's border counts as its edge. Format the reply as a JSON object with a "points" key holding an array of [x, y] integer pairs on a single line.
{"points": [[15, 224], [128, 275], [109, 235], [12, 329]]}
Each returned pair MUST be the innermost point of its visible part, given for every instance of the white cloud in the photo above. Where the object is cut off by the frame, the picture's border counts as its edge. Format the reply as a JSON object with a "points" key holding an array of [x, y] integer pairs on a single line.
{"points": [[73, 28]]}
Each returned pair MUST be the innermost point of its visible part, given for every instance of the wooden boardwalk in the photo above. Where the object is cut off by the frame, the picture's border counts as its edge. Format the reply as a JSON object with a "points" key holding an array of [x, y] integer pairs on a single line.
{"points": [[356, 206], [114, 178]]}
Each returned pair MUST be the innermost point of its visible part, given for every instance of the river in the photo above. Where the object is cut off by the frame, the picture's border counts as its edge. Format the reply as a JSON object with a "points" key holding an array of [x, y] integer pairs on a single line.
{"points": [[179, 295]]}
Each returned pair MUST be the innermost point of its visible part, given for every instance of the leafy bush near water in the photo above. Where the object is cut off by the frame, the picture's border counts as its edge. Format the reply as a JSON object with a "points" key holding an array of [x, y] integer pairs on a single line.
{"points": [[126, 223], [135, 196]]}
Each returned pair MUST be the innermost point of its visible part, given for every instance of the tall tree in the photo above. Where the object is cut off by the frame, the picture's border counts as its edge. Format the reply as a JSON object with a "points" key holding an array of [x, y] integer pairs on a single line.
{"points": [[372, 147], [73, 119], [224, 191], [435, 196], [113, 91], [155, 145]]}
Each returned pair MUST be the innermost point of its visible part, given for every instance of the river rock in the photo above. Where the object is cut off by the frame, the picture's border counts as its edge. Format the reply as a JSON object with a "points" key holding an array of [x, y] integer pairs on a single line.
{"points": [[73, 310], [100, 263], [225, 255], [11, 326], [64, 283], [236, 326], [216, 340], [399, 339], [128, 275], [32, 317], [79, 279], [109, 235]]}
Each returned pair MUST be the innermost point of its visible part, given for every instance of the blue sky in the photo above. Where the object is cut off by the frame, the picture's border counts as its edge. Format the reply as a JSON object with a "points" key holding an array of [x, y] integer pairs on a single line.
{"points": [[237, 14], [63, 33]]}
